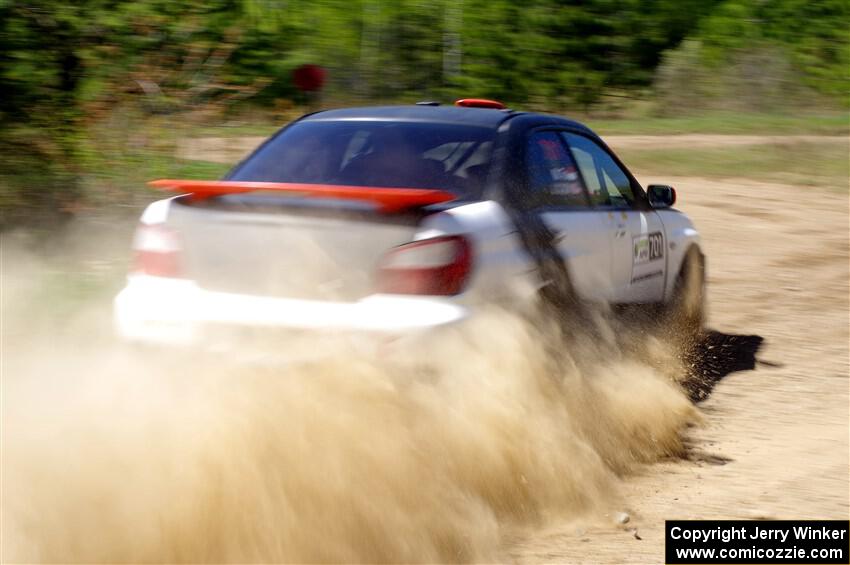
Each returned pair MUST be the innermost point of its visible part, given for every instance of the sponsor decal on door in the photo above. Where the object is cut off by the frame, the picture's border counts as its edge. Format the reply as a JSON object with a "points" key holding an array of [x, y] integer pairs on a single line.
{"points": [[648, 248]]}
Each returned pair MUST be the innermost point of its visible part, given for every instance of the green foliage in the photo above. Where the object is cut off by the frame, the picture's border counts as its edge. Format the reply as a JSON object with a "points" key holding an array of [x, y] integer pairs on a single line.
{"points": [[550, 54], [89, 55], [81, 83], [764, 56]]}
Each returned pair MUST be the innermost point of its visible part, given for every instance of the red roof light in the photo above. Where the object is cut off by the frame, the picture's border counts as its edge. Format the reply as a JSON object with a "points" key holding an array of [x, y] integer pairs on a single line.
{"points": [[480, 103]]}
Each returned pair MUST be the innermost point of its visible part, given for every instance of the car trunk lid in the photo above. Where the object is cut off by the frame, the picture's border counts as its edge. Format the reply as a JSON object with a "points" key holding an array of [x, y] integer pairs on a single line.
{"points": [[286, 247]]}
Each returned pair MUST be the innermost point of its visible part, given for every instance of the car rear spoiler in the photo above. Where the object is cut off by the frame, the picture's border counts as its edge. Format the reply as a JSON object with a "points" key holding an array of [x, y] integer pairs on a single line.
{"points": [[388, 200]]}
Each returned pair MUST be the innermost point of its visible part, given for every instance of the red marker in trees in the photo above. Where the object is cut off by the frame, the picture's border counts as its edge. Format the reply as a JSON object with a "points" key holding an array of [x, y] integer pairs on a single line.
{"points": [[309, 78]]}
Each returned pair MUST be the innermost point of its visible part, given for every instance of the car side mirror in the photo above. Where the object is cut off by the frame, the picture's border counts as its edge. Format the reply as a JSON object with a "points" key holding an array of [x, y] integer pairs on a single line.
{"points": [[661, 195]]}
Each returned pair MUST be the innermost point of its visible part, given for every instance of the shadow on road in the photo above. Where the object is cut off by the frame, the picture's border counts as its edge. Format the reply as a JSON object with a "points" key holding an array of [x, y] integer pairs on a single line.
{"points": [[715, 355]]}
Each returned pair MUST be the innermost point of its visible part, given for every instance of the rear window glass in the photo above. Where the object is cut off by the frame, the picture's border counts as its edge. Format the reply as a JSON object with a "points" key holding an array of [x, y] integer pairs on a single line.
{"points": [[373, 153]]}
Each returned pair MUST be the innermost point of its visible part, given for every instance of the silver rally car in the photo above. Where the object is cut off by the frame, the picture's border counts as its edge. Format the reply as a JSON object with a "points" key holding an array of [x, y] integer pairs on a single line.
{"points": [[397, 220]]}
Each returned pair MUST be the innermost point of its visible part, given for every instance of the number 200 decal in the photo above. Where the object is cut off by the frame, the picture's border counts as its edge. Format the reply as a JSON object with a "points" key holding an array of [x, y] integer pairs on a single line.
{"points": [[648, 247]]}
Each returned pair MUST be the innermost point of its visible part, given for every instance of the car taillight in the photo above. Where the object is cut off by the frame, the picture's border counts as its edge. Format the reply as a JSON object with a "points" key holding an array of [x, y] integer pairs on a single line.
{"points": [[157, 251], [437, 266]]}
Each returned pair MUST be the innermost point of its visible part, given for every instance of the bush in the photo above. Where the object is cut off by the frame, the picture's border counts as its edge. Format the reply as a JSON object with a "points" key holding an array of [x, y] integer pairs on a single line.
{"points": [[760, 56]]}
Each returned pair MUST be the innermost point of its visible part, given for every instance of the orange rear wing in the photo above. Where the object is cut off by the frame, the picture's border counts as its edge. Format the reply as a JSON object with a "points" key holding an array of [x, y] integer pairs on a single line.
{"points": [[388, 200]]}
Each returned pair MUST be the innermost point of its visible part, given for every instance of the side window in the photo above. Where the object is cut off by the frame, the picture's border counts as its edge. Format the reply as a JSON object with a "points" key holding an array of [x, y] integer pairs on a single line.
{"points": [[606, 181], [552, 175]]}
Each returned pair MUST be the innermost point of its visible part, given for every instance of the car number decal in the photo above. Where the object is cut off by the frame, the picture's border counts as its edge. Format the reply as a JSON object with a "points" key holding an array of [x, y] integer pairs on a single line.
{"points": [[648, 248]]}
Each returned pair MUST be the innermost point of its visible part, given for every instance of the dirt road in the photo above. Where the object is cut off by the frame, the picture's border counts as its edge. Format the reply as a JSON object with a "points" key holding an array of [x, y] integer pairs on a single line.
{"points": [[775, 440]]}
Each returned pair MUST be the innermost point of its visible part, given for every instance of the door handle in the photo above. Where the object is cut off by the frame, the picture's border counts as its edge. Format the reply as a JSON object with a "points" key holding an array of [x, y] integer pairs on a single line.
{"points": [[620, 234]]}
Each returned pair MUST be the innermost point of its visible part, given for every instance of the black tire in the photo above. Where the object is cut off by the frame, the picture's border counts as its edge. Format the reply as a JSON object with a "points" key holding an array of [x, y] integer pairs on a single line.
{"points": [[557, 290], [564, 317], [686, 309]]}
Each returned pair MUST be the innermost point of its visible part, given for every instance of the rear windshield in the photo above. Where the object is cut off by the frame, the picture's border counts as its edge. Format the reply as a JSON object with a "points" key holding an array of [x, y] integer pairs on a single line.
{"points": [[373, 153]]}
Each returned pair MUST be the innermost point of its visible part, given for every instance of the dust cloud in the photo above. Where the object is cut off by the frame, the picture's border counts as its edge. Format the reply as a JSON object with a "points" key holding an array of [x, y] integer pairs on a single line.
{"points": [[123, 455]]}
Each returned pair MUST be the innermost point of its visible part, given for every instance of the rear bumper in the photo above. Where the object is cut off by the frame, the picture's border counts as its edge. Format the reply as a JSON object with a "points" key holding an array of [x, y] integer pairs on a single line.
{"points": [[173, 312]]}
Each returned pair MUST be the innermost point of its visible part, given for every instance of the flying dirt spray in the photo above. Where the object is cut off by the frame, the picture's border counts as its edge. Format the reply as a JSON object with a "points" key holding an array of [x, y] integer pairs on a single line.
{"points": [[120, 456]]}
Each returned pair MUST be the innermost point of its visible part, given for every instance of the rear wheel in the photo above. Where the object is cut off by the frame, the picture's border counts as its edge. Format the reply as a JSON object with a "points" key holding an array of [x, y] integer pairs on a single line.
{"points": [[556, 291], [565, 318]]}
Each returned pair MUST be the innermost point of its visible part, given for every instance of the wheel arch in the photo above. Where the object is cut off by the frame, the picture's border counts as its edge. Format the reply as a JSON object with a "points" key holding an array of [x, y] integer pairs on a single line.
{"points": [[682, 240], [691, 252]]}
